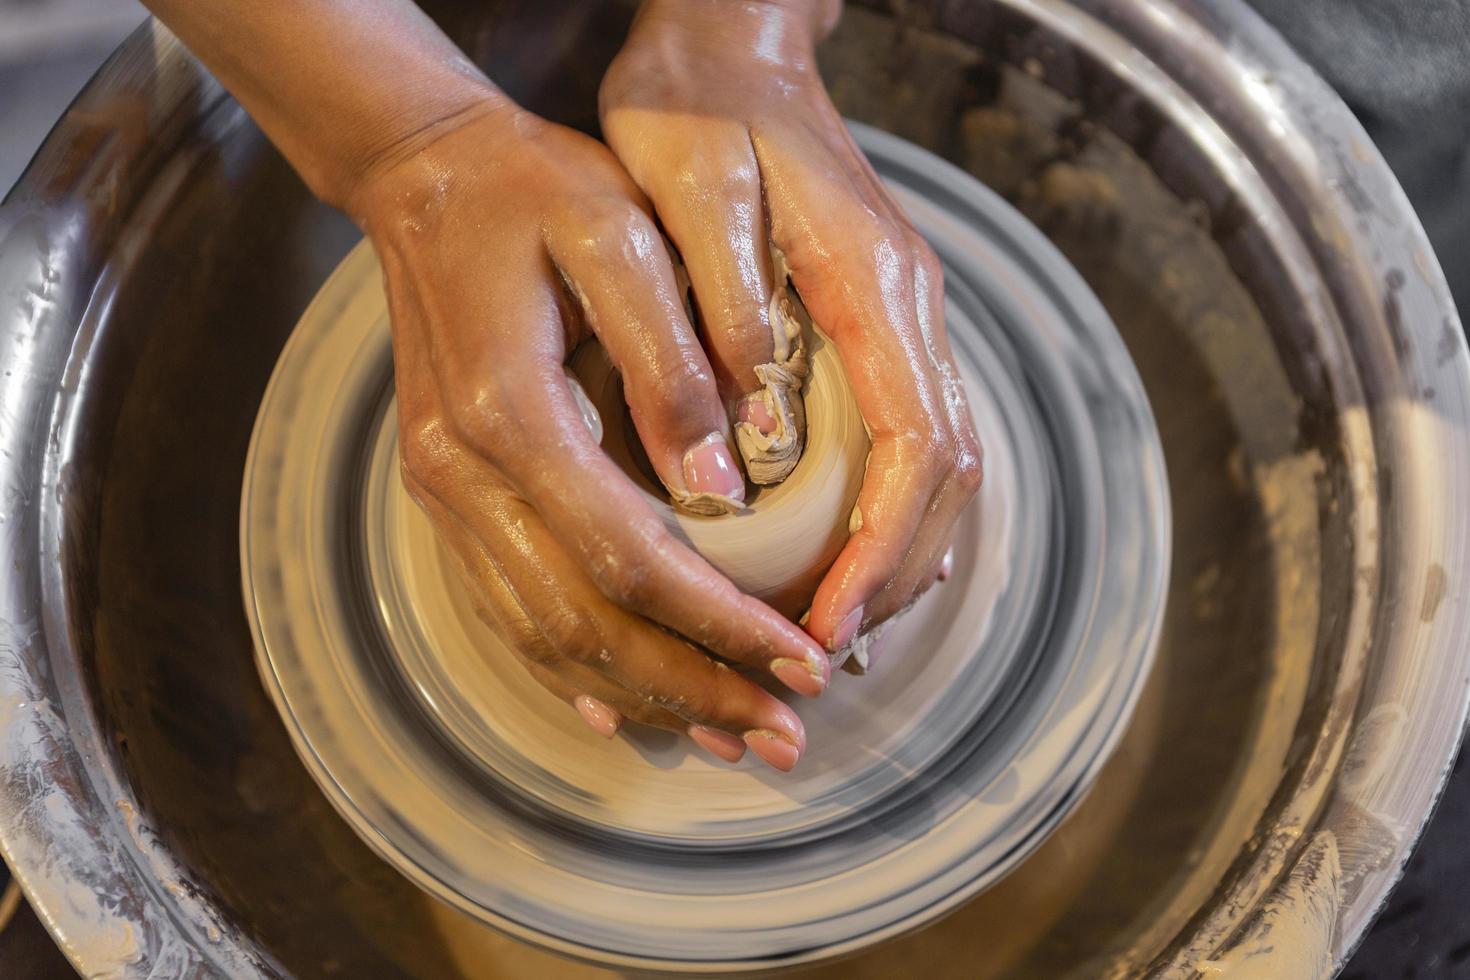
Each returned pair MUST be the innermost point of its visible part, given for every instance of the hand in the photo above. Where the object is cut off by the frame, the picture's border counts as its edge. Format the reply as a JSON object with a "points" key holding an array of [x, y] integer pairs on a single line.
{"points": [[716, 110], [505, 240]]}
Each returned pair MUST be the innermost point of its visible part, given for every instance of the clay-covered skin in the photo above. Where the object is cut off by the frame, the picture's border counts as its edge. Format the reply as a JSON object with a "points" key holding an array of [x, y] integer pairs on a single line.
{"points": [[574, 568], [505, 241], [716, 109]]}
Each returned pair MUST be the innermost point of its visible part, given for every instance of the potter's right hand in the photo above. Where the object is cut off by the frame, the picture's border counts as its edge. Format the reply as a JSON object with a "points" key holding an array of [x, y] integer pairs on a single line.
{"points": [[506, 240]]}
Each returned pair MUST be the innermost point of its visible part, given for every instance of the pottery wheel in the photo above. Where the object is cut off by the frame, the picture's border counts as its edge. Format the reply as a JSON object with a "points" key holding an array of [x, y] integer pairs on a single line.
{"points": [[997, 700]]}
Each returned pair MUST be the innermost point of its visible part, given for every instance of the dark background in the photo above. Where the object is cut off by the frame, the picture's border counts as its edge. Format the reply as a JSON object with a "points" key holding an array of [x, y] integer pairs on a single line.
{"points": [[1403, 66]]}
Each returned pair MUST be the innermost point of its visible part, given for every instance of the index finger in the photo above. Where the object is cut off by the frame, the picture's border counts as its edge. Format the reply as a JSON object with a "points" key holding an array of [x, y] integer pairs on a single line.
{"points": [[625, 282]]}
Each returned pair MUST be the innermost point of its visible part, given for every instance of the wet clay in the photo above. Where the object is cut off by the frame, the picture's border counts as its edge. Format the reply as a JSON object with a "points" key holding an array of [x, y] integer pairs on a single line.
{"points": [[771, 456], [223, 790], [781, 541]]}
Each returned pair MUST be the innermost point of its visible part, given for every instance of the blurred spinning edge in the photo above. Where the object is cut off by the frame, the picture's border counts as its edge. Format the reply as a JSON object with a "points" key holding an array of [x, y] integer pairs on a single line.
{"points": [[31, 29]]}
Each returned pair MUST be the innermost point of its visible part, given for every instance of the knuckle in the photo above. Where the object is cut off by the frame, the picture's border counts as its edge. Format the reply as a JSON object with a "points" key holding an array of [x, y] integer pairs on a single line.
{"points": [[696, 702], [925, 261], [569, 633], [704, 699], [627, 572], [615, 233], [881, 238], [629, 584], [484, 432], [520, 632], [424, 453], [679, 388], [634, 78], [931, 449], [917, 244], [480, 419], [740, 329], [713, 167], [535, 649], [730, 694], [969, 471], [718, 178], [647, 713]]}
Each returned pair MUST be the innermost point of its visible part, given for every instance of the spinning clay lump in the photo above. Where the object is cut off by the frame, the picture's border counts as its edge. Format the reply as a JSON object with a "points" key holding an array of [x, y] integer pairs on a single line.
{"points": [[809, 468]]}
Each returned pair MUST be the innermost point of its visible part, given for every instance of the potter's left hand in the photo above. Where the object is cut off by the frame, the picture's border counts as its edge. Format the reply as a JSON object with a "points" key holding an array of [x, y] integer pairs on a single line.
{"points": [[716, 109]]}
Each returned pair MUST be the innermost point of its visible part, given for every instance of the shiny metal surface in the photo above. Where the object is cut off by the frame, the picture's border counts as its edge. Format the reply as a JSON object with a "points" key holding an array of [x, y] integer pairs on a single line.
{"points": [[157, 252]]}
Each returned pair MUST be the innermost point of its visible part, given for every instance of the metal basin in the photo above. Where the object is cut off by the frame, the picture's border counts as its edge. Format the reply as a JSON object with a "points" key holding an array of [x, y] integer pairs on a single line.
{"points": [[1291, 326]]}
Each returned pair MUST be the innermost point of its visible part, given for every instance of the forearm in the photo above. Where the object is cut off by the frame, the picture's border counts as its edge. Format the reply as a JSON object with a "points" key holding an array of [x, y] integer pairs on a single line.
{"points": [[342, 87]]}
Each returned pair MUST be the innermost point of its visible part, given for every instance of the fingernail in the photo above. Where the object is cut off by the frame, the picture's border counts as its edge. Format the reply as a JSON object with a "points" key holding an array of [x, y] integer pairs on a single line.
{"points": [[718, 743], [803, 678], [775, 750], [603, 720], [709, 468], [847, 629], [946, 565], [753, 409]]}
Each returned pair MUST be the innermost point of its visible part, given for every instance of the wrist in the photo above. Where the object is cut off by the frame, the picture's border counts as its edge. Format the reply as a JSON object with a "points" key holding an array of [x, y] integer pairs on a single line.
{"points": [[805, 21], [395, 168]]}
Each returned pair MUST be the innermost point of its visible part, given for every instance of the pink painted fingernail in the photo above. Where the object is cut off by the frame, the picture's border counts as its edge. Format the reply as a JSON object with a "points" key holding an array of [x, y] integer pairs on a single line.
{"points": [[709, 468], [603, 720], [803, 678], [847, 629], [718, 743], [946, 565], [774, 749], [753, 410]]}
